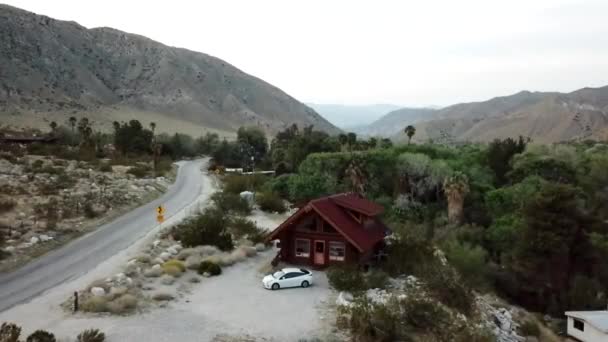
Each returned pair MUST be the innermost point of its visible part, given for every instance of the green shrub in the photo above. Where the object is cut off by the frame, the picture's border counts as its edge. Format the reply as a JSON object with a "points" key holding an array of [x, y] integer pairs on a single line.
{"points": [[9, 332], [243, 228], [449, 289], [376, 279], [270, 202], [469, 261], [238, 183], [105, 167], [41, 336], [7, 205], [208, 228], [209, 267], [424, 314], [91, 335], [346, 278], [229, 202], [88, 211], [529, 328], [372, 322]]}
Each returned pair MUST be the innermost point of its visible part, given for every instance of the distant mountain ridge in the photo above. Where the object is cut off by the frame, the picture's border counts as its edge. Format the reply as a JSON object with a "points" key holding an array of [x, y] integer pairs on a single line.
{"points": [[349, 117], [545, 117], [58, 69]]}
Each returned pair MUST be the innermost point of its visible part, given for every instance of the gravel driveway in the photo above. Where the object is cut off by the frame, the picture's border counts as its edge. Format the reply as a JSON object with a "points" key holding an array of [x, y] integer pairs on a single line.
{"points": [[232, 305]]}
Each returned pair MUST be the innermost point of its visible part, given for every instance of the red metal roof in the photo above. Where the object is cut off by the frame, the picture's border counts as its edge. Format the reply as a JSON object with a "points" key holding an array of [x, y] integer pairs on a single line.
{"points": [[357, 203], [332, 209]]}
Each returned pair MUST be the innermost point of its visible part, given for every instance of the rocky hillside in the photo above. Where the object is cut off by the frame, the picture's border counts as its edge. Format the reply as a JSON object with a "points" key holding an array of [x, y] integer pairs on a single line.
{"points": [[55, 69], [545, 117]]}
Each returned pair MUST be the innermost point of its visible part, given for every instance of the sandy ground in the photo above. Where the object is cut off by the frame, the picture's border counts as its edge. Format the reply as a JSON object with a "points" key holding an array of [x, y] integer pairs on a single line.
{"points": [[233, 304]]}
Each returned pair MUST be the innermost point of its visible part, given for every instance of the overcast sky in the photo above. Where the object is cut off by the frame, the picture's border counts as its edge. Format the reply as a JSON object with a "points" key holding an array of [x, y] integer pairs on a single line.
{"points": [[412, 53]]}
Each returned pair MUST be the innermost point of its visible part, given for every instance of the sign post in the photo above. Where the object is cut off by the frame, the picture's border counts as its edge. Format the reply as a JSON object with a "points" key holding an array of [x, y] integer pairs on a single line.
{"points": [[159, 214]]}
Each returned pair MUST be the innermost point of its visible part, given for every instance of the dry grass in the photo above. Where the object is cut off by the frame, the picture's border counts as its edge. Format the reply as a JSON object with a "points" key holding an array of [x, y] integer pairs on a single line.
{"points": [[94, 304]]}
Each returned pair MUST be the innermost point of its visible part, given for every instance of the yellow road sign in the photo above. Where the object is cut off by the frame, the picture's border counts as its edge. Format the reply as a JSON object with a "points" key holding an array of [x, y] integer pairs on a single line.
{"points": [[160, 218], [160, 210]]}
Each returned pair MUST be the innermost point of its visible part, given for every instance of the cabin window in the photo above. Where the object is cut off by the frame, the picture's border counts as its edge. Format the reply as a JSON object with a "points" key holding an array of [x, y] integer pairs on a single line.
{"points": [[302, 248], [337, 251], [579, 325]]}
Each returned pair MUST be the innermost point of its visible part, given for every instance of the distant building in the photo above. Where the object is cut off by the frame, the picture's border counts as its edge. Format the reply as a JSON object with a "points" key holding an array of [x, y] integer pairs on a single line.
{"points": [[588, 326], [337, 229]]}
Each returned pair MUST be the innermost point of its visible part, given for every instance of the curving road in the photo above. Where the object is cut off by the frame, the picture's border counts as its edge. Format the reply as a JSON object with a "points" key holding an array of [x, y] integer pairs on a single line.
{"points": [[86, 252]]}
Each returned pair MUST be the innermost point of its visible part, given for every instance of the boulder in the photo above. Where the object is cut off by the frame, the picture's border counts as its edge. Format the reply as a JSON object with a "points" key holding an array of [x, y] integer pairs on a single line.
{"points": [[45, 238], [165, 256], [98, 291], [34, 240], [171, 250], [344, 299]]}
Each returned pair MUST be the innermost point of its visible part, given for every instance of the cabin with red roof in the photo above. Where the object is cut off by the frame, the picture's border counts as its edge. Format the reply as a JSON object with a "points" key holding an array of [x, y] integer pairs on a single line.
{"points": [[337, 229]]}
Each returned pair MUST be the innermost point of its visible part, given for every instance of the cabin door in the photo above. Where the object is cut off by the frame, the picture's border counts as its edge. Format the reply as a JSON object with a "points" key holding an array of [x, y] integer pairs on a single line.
{"points": [[319, 252]]}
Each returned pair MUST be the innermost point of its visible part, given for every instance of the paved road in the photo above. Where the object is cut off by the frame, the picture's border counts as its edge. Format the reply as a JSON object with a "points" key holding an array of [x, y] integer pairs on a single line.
{"points": [[83, 254]]}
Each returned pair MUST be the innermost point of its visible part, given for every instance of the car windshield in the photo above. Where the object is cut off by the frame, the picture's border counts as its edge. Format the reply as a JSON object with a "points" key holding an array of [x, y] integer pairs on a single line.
{"points": [[278, 274]]}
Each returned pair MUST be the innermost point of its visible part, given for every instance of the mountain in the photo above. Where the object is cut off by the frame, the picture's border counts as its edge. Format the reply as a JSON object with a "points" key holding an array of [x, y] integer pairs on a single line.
{"points": [[55, 69], [351, 116], [395, 121], [545, 117]]}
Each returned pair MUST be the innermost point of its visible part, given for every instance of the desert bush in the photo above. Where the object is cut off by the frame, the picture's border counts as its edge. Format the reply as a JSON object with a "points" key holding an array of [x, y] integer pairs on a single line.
{"points": [[41, 336], [139, 171], [105, 167], [229, 202], [94, 304], [91, 335], [163, 296], [270, 202], [153, 272], [209, 267], [144, 259], [7, 205], [529, 328], [122, 305], [208, 228], [449, 289], [425, 314], [9, 332], [346, 278], [193, 262], [173, 267], [243, 228], [89, 212]]}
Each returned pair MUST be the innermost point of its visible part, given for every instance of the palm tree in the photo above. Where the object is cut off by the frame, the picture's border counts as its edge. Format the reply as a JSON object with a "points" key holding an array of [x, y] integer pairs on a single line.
{"points": [[409, 131], [116, 126], [73, 122], [342, 138], [456, 187], [357, 177], [53, 125], [352, 140], [152, 127]]}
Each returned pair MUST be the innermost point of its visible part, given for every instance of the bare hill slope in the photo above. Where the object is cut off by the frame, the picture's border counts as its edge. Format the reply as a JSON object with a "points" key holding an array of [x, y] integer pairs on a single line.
{"points": [[55, 69]]}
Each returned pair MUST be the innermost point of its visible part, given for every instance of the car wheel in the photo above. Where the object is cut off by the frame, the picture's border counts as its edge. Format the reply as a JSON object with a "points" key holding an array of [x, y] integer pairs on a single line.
{"points": [[275, 286], [305, 284]]}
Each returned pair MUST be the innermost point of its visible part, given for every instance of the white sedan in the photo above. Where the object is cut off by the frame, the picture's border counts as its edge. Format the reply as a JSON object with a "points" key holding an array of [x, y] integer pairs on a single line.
{"points": [[288, 277]]}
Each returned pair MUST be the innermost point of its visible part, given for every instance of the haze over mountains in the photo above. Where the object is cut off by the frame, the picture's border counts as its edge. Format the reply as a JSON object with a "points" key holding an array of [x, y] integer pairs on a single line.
{"points": [[352, 116], [59, 69]]}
